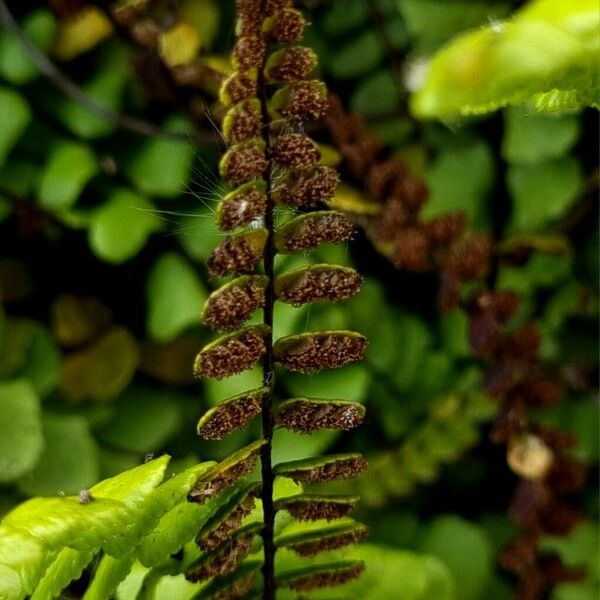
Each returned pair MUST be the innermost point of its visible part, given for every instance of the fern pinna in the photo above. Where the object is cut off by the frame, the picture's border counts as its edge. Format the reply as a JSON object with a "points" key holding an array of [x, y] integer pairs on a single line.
{"points": [[271, 163]]}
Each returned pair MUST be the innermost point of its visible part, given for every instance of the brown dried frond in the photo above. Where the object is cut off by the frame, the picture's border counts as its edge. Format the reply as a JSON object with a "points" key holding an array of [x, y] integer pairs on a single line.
{"points": [[470, 257], [484, 333], [241, 208], [307, 509], [527, 500], [325, 578], [523, 343], [291, 64], [394, 218], [411, 250], [445, 229], [304, 415], [509, 422], [234, 354], [285, 26], [230, 415], [243, 162], [501, 303], [223, 531], [449, 292], [305, 189], [227, 308], [555, 571], [500, 378], [539, 391], [243, 122], [331, 542], [342, 468], [248, 53], [314, 230], [237, 87], [384, 176], [520, 554], [318, 283], [225, 559], [234, 254], [557, 439], [567, 475], [361, 153], [558, 518], [304, 100], [296, 151], [310, 352], [413, 191]]}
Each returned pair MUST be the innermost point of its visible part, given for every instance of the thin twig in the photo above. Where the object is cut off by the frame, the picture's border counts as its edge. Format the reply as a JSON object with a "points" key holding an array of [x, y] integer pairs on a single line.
{"points": [[73, 91]]}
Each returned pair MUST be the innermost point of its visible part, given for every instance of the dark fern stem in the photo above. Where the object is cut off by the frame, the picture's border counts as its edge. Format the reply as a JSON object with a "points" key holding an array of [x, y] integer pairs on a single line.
{"points": [[516, 378], [270, 164]]}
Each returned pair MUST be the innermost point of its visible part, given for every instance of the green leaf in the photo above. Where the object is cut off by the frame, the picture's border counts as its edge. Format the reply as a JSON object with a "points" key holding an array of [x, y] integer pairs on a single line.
{"points": [[351, 382], [532, 137], [19, 177], [579, 548], [102, 370], [176, 528], [107, 576], [433, 22], [376, 94], [67, 567], [175, 297], [344, 16], [121, 226], [288, 445], [70, 459], [543, 192], [459, 180], [16, 66], [12, 128], [43, 362], [143, 421], [548, 45], [68, 169], [162, 167], [21, 438], [198, 232], [106, 87], [465, 550], [114, 518], [357, 57]]}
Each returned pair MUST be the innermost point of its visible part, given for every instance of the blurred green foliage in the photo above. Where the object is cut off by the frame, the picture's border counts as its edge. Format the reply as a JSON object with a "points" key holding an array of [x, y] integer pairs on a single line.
{"points": [[104, 235]]}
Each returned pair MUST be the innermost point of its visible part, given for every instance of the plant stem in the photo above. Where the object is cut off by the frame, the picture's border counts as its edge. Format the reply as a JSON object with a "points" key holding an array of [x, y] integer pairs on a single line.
{"points": [[268, 362]]}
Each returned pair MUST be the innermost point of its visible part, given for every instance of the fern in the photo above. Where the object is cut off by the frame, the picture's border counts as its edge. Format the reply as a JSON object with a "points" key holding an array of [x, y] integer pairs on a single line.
{"points": [[216, 523], [268, 97], [547, 55]]}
